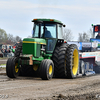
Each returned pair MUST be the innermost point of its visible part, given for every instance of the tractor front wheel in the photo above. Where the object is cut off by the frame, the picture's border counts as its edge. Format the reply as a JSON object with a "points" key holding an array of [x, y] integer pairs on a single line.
{"points": [[46, 69], [12, 67]]}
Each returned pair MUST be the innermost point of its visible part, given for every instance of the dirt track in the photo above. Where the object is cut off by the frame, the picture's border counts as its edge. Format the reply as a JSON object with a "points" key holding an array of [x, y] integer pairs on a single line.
{"points": [[28, 88]]}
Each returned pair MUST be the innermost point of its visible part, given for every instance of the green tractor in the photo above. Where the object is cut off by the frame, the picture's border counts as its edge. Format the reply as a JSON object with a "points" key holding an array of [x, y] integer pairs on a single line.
{"points": [[46, 54]]}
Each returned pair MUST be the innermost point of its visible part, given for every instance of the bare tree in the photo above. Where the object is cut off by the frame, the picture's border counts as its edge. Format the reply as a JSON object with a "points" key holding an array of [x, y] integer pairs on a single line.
{"points": [[67, 35], [80, 38], [91, 33], [8, 38], [18, 39], [84, 37], [3, 35]]}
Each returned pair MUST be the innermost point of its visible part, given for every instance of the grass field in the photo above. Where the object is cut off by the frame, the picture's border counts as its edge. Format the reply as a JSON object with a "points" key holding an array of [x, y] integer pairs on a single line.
{"points": [[4, 58]]}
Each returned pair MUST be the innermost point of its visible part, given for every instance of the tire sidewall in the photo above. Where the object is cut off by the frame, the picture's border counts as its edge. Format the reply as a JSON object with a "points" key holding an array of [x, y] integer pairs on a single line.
{"points": [[48, 75], [44, 69], [74, 76], [15, 61]]}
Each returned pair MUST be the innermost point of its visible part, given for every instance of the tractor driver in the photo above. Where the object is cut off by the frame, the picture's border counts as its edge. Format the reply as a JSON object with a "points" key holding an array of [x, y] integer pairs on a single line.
{"points": [[47, 34], [98, 35]]}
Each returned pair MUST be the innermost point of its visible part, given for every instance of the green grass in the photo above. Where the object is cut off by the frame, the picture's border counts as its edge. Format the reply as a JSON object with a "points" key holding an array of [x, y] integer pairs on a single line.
{"points": [[3, 58], [2, 64]]}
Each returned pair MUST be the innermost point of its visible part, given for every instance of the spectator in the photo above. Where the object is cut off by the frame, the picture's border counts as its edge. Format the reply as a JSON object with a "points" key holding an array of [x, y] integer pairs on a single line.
{"points": [[98, 36]]}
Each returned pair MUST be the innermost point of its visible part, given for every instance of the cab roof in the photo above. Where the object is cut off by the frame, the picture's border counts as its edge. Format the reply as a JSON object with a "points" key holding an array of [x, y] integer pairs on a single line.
{"points": [[47, 20]]}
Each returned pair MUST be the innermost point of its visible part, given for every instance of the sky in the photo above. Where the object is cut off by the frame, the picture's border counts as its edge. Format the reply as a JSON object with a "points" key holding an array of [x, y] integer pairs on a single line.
{"points": [[77, 15]]}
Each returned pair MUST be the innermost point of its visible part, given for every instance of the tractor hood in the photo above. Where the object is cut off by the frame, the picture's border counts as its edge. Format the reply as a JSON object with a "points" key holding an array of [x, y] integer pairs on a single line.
{"points": [[34, 40], [33, 46]]}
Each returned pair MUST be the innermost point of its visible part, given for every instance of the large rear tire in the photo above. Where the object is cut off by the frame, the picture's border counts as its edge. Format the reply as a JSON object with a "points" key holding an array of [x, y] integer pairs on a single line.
{"points": [[59, 59], [46, 69], [72, 61], [18, 49], [12, 67]]}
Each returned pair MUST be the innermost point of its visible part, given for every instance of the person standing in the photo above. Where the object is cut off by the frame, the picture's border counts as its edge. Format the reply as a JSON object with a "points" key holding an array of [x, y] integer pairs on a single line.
{"points": [[98, 36]]}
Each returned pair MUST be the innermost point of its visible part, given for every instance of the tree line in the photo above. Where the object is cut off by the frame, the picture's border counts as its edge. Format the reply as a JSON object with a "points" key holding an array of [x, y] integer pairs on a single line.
{"points": [[6, 38], [67, 35], [82, 37], [85, 37]]}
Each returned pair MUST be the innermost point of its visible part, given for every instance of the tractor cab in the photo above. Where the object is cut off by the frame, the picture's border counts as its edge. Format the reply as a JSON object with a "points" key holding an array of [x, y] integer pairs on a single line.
{"points": [[46, 34], [47, 28]]}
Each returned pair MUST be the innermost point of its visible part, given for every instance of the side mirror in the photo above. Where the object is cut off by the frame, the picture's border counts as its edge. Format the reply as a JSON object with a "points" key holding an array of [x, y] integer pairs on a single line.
{"points": [[64, 25]]}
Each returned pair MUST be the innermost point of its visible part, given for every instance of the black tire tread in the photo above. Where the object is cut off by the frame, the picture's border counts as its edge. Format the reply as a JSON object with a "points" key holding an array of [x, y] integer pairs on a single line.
{"points": [[10, 68], [59, 61], [43, 69], [18, 49]]}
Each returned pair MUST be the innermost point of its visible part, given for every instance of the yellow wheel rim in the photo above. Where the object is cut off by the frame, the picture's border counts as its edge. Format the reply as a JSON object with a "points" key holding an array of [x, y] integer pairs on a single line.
{"points": [[75, 62], [16, 68], [50, 69], [35, 67]]}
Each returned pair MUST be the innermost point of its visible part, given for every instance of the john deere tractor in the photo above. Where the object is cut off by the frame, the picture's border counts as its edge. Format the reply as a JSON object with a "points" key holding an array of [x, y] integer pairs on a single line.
{"points": [[45, 54]]}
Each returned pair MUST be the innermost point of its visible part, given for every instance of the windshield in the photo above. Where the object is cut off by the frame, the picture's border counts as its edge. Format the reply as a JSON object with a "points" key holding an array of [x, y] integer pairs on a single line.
{"points": [[48, 30]]}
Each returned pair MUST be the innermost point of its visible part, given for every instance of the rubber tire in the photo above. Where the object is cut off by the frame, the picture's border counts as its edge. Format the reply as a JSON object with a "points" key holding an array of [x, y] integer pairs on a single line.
{"points": [[82, 67], [18, 49], [59, 59], [44, 69], [10, 67], [70, 51]]}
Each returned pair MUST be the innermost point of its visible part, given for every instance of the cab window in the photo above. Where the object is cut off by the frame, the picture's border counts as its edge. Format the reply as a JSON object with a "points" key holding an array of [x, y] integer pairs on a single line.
{"points": [[60, 31], [36, 30]]}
